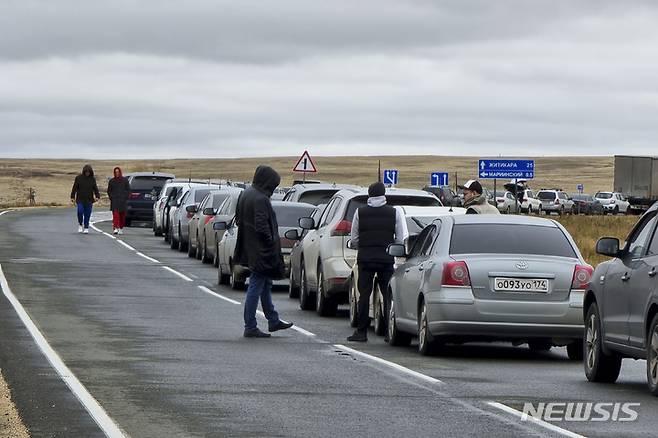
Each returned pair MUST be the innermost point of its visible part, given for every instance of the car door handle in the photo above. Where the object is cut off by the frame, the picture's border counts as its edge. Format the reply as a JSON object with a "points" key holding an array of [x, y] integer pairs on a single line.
{"points": [[625, 277], [652, 273]]}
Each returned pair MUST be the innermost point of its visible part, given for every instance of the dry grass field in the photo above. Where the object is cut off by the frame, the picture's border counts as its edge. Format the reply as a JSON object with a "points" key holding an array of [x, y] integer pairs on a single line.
{"points": [[52, 179]]}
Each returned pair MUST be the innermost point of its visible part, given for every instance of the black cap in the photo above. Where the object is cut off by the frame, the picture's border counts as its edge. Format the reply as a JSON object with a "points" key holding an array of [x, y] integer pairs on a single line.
{"points": [[376, 189], [473, 185]]}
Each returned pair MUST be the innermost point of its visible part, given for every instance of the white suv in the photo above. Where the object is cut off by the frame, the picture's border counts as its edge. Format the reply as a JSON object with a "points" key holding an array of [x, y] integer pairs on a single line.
{"points": [[613, 202], [529, 204], [326, 263]]}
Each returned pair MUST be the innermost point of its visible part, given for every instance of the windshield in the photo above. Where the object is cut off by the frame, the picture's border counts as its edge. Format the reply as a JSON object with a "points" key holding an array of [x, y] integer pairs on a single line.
{"points": [[147, 183], [393, 200], [317, 197], [604, 195], [510, 239], [288, 215], [546, 196]]}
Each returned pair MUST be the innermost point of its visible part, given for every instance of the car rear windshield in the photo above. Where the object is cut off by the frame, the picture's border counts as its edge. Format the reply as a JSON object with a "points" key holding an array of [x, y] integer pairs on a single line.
{"points": [[510, 239], [546, 196], [147, 183], [317, 197], [604, 195], [582, 197], [289, 215], [406, 200]]}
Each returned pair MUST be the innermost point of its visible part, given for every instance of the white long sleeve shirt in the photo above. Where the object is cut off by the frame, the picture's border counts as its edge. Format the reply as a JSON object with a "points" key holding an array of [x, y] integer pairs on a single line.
{"points": [[401, 230]]}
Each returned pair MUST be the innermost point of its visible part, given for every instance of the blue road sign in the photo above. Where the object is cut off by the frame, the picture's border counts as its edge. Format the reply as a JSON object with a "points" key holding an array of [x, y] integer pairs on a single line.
{"points": [[439, 179], [391, 176], [491, 169], [580, 188]]}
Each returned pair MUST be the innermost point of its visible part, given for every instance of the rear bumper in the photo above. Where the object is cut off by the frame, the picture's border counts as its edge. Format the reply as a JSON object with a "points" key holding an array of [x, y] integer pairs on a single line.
{"points": [[139, 212], [337, 274], [456, 312], [609, 207]]}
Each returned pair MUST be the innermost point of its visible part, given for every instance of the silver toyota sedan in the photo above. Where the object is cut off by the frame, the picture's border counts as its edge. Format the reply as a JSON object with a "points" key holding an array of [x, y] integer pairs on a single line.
{"points": [[490, 278]]}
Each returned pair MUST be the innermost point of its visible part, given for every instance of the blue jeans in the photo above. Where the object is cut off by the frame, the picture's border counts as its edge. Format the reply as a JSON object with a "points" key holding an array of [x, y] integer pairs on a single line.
{"points": [[259, 287], [84, 213]]}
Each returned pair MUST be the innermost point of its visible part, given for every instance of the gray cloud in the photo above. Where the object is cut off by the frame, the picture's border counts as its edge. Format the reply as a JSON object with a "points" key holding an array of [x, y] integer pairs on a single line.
{"points": [[208, 78]]}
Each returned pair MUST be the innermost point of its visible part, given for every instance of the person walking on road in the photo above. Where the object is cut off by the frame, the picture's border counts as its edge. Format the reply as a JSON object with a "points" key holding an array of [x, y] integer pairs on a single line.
{"points": [[258, 246], [84, 193], [474, 201], [118, 191], [374, 227]]}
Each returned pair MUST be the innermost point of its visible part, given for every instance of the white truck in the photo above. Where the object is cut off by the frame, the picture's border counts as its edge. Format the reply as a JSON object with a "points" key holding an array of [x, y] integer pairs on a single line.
{"points": [[636, 177]]}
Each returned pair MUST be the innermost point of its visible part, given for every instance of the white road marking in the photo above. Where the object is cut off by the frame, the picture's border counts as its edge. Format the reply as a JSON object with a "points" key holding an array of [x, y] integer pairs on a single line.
{"points": [[120, 242], [215, 294], [150, 259], [302, 331], [4, 212], [393, 365], [173, 271], [530, 419], [109, 427]]}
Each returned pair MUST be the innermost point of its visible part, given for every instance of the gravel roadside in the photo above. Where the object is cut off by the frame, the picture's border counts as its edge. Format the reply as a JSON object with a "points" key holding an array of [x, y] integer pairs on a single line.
{"points": [[11, 425]]}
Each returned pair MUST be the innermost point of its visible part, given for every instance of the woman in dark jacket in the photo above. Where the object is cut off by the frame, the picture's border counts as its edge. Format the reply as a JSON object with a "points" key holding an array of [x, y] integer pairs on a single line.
{"points": [[83, 193], [118, 191]]}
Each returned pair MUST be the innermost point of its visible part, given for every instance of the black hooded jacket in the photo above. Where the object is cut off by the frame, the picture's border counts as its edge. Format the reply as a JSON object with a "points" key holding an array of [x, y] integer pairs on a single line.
{"points": [[84, 187], [258, 245]]}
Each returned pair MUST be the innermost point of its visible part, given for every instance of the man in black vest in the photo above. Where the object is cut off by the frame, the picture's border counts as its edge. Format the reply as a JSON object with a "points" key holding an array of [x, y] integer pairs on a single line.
{"points": [[374, 227]]}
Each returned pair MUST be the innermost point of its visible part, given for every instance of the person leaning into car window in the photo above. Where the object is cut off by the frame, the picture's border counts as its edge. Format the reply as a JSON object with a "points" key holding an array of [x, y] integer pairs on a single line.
{"points": [[474, 201], [374, 227]]}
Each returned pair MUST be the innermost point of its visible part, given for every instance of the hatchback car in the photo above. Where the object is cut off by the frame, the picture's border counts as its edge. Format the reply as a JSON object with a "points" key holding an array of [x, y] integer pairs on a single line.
{"points": [[287, 215], [186, 207], [621, 305], [586, 204], [160, 209], [144, 191], [506, 202], [314, 193], [469, 278], [200, 226], [555, 201], [613, 202], [325, 268]]}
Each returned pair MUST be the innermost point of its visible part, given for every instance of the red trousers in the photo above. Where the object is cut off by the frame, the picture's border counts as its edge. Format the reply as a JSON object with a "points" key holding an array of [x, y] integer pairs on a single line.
{"points": [[118, 219]]}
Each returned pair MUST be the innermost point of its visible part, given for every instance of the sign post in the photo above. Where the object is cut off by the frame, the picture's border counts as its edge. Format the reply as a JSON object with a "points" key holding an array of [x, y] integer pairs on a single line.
{"points": [[439, 179], [305, 164]]}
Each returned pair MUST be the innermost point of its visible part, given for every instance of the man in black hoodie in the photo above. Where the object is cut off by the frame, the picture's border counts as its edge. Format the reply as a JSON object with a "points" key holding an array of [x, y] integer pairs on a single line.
{"points": [[258, 247], [83, 193]]}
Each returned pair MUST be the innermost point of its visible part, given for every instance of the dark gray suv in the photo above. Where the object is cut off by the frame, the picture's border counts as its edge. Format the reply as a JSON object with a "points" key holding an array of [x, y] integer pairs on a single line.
{"points": [[621, 305]]}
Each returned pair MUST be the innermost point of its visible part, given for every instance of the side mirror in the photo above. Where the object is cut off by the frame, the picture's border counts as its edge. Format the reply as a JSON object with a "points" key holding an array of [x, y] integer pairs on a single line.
{"points": [[396, 250], [191, 208], [608, 246], [292, 235], [209, 211], [306, 223], [219, 226]]}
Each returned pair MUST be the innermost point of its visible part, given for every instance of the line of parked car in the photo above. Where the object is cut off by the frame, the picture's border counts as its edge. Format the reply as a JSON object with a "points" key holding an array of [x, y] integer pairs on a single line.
{"points": [[459, 278]]}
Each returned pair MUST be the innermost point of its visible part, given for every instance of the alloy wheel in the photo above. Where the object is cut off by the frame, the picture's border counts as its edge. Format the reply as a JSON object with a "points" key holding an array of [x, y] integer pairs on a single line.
{"points": [[653, 357], [591, 341]]}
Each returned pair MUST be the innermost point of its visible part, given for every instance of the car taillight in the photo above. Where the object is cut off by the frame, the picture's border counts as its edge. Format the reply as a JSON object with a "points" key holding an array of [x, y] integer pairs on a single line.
{"points": [[456, 274], [581, 276], [557, 202], [500, 201], [525, 200], [134, 195], [342, 228]]}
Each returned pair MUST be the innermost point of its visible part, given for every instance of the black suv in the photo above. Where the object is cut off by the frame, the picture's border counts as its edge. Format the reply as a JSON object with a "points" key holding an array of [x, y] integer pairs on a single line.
{"points": [[144, 191], [621, 305]]}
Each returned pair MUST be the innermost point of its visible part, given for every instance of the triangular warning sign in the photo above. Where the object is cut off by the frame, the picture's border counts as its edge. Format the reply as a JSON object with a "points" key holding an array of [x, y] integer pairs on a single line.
{"points": [[305, 164]]}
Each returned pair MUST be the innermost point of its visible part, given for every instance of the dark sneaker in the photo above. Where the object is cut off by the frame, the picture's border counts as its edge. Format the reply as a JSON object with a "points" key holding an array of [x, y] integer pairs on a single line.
{"points": [[281, 325], [255, 333], [358, 337]]}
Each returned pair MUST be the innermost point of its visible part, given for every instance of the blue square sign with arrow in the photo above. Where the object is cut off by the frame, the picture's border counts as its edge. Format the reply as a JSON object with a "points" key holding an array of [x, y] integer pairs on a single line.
{"points": [[391, 176]]}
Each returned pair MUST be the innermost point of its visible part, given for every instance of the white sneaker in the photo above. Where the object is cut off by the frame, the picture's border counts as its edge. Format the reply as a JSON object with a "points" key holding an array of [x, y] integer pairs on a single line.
{"points": [[115, 231], [79, 228], [86, 231], [120, 231]]}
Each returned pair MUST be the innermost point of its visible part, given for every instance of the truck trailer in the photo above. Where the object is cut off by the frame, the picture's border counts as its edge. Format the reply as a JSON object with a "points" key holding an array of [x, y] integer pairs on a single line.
{"points": [[636, 177]]}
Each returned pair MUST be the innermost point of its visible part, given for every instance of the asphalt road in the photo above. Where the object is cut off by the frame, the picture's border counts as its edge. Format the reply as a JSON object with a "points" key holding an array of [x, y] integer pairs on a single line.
{"points": [[165, 357]]}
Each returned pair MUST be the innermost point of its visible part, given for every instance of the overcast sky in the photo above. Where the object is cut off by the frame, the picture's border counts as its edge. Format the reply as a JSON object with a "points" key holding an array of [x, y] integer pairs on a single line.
{"points": [[209, 78]]}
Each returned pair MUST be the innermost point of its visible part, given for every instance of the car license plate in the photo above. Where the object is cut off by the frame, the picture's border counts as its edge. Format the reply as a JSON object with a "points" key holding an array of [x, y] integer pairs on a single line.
{"points": [[504, 284]]}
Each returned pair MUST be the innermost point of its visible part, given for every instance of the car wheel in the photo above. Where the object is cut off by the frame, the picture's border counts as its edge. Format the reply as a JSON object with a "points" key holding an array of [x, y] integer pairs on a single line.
{"points": [[354, 303], [378, 313], [204, 252], [615, 212], [128, 222], [173, 243], [293, 289], [530, 209], [560, 212], [427, 345], [182, 246], [599, 367], [396, 337], [509, 210], [215, 258], [652, 357], [324, 306], [235, 281], [191, 251], [575, 350], [540, 345], [306, 301], [222, 278]]}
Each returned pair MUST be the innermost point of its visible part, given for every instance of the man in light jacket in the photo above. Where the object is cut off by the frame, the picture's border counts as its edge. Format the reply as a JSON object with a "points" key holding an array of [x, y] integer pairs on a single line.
{"points": [[374, 227], [474, 201]]}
